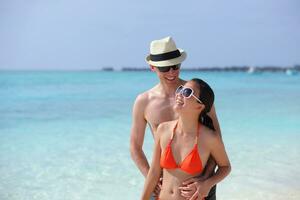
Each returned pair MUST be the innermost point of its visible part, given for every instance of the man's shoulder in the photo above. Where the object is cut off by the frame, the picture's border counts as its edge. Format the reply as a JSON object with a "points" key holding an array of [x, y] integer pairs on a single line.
{"points": [[146, 95], [142, 98]]}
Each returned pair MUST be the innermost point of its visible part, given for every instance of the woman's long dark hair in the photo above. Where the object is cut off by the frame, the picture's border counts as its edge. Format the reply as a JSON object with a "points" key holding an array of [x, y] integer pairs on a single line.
{"points": [[207, 97]]}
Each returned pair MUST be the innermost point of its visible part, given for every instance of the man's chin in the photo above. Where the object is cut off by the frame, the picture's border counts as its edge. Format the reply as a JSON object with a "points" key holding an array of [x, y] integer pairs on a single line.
{"points": [[171, 81]]}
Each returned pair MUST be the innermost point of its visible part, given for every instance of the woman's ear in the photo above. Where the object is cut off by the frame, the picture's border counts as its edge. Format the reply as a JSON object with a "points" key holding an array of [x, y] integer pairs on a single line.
{"points": [[201, 107]]}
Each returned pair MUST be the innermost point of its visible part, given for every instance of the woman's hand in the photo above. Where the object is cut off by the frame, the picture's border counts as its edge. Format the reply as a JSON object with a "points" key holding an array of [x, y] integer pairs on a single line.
{"points": [[195, 188]]}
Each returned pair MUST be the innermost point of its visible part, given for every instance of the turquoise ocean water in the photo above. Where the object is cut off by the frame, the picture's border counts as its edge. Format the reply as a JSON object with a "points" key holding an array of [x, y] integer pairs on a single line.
{"points": [[65, 135]]}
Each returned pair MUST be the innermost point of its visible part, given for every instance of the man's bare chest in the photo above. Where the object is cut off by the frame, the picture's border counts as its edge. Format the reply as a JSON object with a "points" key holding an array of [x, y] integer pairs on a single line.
{"points": [[158, 112]]}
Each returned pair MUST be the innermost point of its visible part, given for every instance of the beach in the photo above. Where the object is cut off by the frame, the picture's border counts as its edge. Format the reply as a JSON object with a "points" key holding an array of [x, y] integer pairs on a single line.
{"points": [[65, 134]]}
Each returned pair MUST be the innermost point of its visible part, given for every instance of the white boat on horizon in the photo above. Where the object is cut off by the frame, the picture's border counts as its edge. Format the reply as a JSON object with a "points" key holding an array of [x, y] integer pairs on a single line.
{"points": [[253, 70], [290, 72]]}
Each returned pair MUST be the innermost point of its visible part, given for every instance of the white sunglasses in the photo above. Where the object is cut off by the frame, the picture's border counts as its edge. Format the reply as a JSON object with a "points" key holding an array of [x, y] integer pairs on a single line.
{"points": [[187, 92]]}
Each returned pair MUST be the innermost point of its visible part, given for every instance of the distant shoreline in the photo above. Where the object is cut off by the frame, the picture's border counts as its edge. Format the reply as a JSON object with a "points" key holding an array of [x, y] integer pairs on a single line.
{"points": [[250, 69]]}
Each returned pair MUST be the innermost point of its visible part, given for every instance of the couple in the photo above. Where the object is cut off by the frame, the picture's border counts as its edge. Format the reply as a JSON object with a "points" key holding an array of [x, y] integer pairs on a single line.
{"points": [[183, 121]]}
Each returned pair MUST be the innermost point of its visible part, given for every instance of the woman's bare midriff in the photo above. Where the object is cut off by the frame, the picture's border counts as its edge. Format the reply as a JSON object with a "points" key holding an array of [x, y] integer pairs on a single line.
{"points": [[172, 180]]}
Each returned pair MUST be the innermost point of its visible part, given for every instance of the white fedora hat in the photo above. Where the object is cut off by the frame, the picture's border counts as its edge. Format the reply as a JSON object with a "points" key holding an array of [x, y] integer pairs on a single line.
{"points": [[164, 53]]}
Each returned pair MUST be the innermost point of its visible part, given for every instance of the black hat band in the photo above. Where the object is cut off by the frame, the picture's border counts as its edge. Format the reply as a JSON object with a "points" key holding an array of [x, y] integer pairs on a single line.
{"points": [[165, 56]]}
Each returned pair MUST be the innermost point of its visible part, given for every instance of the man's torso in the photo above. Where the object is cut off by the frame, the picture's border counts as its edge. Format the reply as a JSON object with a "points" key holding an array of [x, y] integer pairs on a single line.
{"points": [[159, 109]]}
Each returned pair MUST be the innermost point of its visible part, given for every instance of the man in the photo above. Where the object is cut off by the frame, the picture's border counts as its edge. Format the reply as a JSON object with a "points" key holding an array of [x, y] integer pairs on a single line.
{"points": [[156, 106]]}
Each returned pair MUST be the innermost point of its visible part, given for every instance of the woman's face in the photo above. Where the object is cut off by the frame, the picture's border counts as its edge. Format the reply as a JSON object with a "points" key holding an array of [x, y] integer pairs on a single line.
{"points": [[183, 104]]}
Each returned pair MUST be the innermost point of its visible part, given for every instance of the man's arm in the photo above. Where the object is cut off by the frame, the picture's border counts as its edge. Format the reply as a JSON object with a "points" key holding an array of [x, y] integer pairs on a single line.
{"points": [[155, 170], [137, 134]]}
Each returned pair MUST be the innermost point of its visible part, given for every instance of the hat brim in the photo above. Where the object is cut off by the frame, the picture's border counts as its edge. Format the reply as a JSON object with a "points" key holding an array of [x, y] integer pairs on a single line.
{"points": [[170, 62]]}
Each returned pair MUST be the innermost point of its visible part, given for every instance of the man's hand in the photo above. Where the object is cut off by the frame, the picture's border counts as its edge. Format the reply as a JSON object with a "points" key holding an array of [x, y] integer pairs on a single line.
{"points": [[158, 188], [195, 188]]}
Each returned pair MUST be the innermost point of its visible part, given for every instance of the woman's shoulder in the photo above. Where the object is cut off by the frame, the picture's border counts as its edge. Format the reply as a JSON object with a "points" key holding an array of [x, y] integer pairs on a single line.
{"points": [[167, 125], [210, 135], [164, 129]]}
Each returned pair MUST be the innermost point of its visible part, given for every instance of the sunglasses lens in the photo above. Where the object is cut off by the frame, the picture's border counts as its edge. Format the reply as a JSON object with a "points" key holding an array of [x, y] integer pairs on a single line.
{"points": [[178, 90], [164, 69], [175, 67], [187, 92]]}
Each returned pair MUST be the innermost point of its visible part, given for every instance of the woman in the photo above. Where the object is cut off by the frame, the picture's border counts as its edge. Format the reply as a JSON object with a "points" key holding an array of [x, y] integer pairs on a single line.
{"points": [[183, 146]]}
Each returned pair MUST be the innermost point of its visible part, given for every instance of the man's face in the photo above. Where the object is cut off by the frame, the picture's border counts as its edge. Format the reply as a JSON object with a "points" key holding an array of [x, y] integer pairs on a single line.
{"points": [[167, 74]]}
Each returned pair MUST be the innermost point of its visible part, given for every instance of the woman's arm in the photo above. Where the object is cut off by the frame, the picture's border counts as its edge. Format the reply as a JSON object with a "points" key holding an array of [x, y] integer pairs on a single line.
{"points": [[217, 151], [211, 164], [154, 171], [219, 154]]}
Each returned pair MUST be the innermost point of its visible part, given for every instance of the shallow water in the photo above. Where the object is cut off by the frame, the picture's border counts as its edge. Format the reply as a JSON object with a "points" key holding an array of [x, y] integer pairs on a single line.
{"points": [[65, 135]]}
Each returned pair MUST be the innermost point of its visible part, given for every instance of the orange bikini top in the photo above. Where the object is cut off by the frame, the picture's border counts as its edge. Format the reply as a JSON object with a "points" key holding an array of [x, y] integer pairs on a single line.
{"points": [[191, 164]]}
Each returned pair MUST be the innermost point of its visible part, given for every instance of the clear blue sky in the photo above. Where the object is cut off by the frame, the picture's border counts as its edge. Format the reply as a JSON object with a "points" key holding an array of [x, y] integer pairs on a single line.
{"points": [[90, 34]]}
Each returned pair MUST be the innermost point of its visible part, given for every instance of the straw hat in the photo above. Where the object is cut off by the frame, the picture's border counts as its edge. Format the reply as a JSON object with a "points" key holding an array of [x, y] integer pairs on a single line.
{"points": [[164, 53]]}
